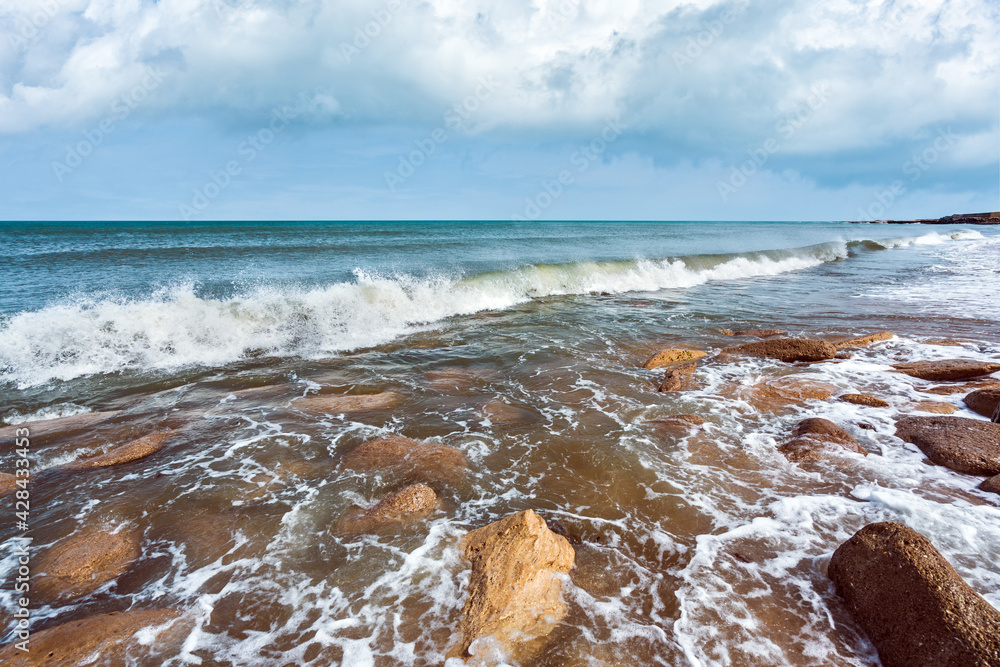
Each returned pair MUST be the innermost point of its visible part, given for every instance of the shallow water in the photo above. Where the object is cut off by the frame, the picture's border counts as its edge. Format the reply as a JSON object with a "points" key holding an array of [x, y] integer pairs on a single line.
{"points": [[693, 546]]}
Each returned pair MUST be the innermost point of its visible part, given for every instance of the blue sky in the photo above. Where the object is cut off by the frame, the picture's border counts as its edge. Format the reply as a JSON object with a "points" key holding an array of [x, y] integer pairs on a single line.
{"points": [[550, 109]]}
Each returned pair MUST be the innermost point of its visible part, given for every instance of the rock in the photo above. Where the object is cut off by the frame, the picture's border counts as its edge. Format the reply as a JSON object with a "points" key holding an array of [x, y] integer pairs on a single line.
{"points": [[965, 445], [948, 369], [759, 333], [992, 484], [58, 426], [963, 387], [813, 436], [917, 611], [499, 412], [8, 483], [340, 403], [673, 377], [785, 349], [865, 341], [108, 636], [947, 343], [457, 378], [778, 393], [407, 505], [936, 407], [865, 399], [685, 419], [671, 356], [130, 451], [515, 591], [985, 402], [413, 459], [83, 563]]}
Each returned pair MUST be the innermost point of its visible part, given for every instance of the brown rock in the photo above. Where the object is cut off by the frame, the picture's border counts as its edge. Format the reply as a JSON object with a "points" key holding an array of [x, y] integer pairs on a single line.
{"points": [[962, 387], [499, 412], [947, 343], [671, 356], [109, 636], [985, 402], [759, 333], [776, 394], [948, 369], [992, 484], [130, 451], [865, 399], [936, 407], [83, 563], [8, 483], [341, 403], [515, 593], [673, 377], [687, 420], [57, 426], [415, 460], [966, 445], [865, 341], [910, 601], [785, 349], [407, 505], [813, 436]]}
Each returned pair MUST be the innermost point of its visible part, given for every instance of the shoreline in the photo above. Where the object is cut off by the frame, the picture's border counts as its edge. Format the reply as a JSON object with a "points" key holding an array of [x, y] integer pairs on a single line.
{"points": [[992, 218]]}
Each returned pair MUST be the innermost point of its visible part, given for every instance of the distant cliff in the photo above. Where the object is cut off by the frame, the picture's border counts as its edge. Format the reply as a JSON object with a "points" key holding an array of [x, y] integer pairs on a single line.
{"points": [[956, 219]]}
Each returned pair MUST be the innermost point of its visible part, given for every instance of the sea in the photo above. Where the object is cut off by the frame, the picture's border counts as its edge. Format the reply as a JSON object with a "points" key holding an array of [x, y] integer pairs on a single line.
{"points": [[522, 345]]}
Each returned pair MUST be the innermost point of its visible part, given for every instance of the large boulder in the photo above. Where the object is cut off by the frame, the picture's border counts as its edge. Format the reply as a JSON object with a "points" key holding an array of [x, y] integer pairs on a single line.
{"points": [[410, 504], [671, 356], [515, 589], [109, 637], [917, 611], [966, 445], [986, 402], [864, 341], [131, 451], [948, 369], [83, 563], [785, 349], [814, 436]]}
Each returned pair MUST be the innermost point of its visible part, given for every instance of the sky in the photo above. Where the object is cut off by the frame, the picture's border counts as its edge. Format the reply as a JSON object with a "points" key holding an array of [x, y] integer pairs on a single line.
{"points": [[188, 110]]}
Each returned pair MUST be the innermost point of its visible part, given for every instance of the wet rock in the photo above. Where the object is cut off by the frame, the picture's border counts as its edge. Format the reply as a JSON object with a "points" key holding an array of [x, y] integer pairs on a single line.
{"points": [[130, 451], [671, 356], [83, 563], [965, 445], [673, 377], [844, 355], [456, 378], [814, 436], [865, 399], [776, 394], [947, 343], [936, 407], [109, 637], [58, 426], [985, 402], [342, 403], [8, 483], [683, 419], [499, 412], [408, 505], [948, 369], [759, 333], [962, 387], [917, 611], [413, 459], [785, 349], [992, 484], [515, 591], [864, 341]]}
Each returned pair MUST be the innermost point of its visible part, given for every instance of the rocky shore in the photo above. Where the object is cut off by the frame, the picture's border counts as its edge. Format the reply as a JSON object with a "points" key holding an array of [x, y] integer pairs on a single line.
{"points": [[992, 218], [900, 590]]}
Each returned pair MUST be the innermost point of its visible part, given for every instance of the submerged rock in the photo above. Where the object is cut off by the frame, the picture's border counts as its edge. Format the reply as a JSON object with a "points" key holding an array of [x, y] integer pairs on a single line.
{"points": [[407, 505], [106, 639], [674, 376], [515, 589], [341, 403], [865, 399], [779, 393], [864, 341], [965, 445], [8, 483], [814, 436], [759, 333], [413, 459], [130, 451], [910, 601], [985, 402], [671, 356], [937, 407], [962, 387], [785, 349], [83, 563], [499, 412], [992, 484], [948, 369]]}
